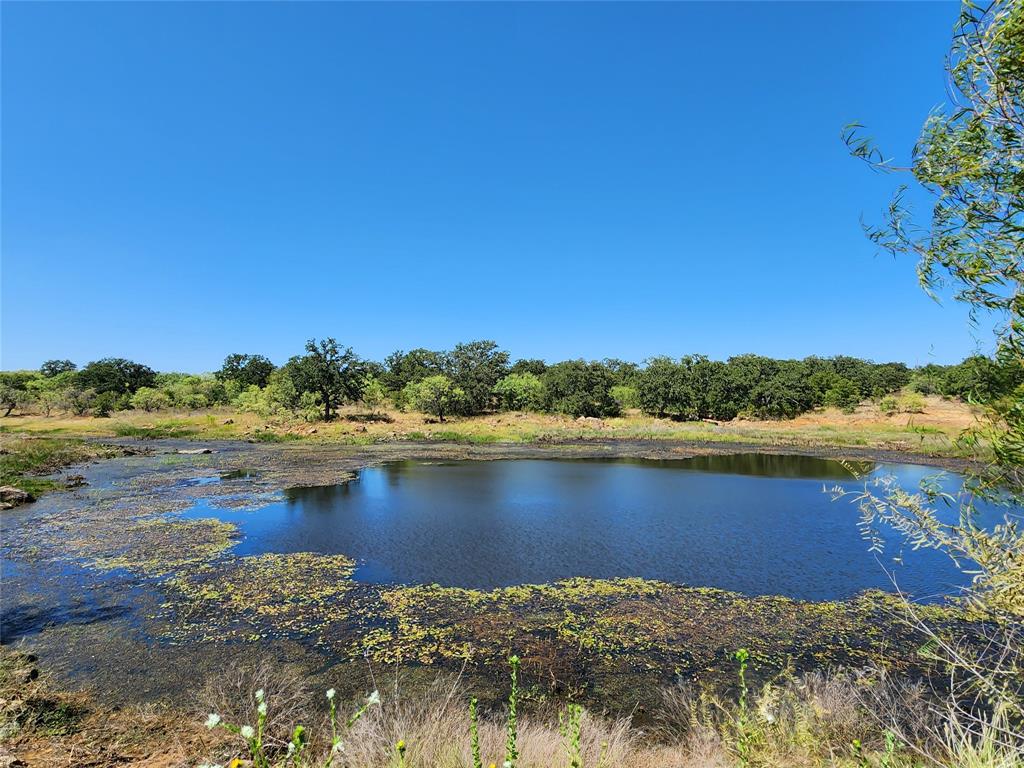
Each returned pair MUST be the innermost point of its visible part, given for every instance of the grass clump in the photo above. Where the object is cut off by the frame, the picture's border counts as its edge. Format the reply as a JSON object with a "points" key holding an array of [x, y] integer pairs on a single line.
{"points": [[164, 429], [24, 460], [843, 720]]}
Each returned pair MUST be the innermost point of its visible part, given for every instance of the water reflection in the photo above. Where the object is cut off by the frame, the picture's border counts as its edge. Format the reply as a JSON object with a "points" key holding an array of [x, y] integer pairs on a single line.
{"points": [[754, 523], [774, 465]]}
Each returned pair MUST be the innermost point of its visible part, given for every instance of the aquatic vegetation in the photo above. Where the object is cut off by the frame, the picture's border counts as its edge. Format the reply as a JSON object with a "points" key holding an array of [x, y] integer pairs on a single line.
{"points": [[161, 546], [251, 597], [582, 628]]}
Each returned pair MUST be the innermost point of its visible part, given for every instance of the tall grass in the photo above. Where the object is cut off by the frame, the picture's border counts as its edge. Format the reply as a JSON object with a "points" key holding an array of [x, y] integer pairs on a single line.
{"points": [[847, 720]]}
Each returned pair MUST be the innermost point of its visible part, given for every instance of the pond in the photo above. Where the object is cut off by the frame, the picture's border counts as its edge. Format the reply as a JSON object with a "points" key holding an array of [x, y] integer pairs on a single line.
{"points": [[752, 523]]}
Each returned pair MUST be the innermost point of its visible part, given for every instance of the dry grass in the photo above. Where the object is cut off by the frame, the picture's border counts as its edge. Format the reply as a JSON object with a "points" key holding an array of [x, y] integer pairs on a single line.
{"points": [[845, 720], [932, 431]]}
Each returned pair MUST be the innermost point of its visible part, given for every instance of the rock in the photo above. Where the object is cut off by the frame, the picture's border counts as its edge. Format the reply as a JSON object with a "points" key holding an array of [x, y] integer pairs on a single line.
{"points": [[311, 431], [228, 421], [12, 497], [194, 451], [74, 481], [590, 421]]}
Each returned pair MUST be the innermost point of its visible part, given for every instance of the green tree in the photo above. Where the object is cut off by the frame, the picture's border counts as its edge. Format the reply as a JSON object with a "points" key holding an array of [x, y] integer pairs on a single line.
{"points": [[437, 395], [520, 392], [536, 367], [658, 387], [56, 367], [247, 370], [336, 374], [476, 367], [783, 394], [117, 375], [579, 388], [403, 368], [15, 390], [970, 160], [709, 386]]}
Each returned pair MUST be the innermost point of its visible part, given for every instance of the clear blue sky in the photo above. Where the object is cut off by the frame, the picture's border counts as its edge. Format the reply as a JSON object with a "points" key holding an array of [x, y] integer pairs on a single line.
{"points": [[185, 180]]}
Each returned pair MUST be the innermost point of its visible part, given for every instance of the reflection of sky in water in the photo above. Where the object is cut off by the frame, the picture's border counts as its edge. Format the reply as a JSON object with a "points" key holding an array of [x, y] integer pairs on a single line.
{"points": [[754, 523]]}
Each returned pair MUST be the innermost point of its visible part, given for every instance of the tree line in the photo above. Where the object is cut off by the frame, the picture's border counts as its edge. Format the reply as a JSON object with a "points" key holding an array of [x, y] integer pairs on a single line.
{"points": [[478, 377]]}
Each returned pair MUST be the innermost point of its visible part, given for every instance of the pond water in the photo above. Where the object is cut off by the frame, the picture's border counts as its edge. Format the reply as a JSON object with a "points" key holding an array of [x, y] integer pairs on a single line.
{"points": [[752, 523]]}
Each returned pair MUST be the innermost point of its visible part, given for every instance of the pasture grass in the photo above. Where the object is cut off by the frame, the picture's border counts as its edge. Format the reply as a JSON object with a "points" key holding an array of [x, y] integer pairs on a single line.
{"points": [[932, 432]]}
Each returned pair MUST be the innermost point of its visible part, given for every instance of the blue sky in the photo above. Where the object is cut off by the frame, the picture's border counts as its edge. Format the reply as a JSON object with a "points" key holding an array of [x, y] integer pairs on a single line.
{"points": [[185, 180]]}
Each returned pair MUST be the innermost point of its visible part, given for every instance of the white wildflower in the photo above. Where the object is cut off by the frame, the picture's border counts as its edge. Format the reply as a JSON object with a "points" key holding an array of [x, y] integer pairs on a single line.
{"points": [[213, 720], [291, 747], [247, 732], [262, 708], [330, 694], [259, 695], [373, 699]]}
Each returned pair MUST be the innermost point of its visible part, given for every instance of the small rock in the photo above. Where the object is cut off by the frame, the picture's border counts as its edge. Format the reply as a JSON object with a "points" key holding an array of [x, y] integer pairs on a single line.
{"points": [[590, 421], [195, 451], [311, 431], [12, 497], [229, 421]]}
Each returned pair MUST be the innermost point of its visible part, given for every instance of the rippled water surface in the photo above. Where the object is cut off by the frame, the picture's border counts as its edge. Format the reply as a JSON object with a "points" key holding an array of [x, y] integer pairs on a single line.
{"points": [[753, 523]]}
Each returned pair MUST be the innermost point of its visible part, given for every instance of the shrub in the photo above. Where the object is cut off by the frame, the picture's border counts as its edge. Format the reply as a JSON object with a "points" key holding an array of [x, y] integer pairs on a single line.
{"points": [[520, 392], [436, 395], [374, 394], [911, 403], [149, 399], [105, 404], [843, 393], [625, 396], [889, 405], [310, 406]]}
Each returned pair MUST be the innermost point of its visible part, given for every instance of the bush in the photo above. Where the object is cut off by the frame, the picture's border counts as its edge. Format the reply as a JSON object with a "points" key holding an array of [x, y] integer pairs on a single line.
{"points": [[77, 401], [436, 395], [889, 405], [105, 404], [911, 403], [310, 406], [625, 396], [149, 399], [374, 394], [843, 393], [520, 392]]}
